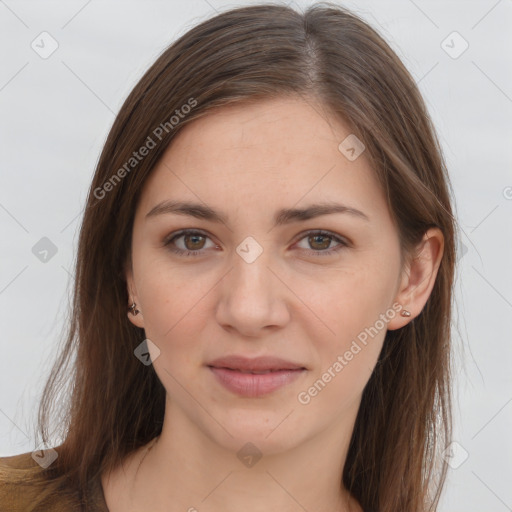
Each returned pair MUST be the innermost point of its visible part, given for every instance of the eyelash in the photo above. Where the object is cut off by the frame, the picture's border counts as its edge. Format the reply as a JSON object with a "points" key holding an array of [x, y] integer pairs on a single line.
{"points": [[342, 244]]}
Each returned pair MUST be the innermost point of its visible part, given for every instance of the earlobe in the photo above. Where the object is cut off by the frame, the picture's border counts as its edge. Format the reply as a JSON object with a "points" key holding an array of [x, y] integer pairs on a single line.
{"points": [[133, 308], [418, 278], [135, 315]]}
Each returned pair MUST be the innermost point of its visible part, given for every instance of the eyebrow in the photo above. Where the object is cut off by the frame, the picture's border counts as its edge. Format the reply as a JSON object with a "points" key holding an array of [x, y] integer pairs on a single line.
{"points": [[282, 216]]}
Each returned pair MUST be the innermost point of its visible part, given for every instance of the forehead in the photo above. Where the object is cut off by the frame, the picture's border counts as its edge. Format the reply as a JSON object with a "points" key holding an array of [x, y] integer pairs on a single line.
{"points": [[277, 150], [270, 128]]}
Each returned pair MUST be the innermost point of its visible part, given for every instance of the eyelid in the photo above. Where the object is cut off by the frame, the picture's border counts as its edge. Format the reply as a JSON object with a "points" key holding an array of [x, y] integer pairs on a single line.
{"points": [[325, 232], [182, 232]]}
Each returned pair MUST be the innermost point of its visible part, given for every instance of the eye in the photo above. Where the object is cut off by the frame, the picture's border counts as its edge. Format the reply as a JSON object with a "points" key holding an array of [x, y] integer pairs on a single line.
{"points": [[320, 243], [188, 243]]}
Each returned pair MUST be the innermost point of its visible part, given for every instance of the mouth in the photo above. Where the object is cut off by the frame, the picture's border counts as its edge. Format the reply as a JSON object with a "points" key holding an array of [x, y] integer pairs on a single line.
{"points": [[256, 377], [256, 365]]}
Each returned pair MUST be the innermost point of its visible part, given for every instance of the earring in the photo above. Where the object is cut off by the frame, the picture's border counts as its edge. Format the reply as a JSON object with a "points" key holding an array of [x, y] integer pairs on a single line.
{"points": [[133, 309], [404, 312]]}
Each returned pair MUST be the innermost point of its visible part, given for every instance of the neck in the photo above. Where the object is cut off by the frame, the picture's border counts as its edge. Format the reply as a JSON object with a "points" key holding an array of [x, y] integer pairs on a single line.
{"points": [[183, 469]]}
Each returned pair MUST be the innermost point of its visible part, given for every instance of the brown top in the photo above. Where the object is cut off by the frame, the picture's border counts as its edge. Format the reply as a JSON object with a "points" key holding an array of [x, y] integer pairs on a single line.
{"points": [[16, 496]]}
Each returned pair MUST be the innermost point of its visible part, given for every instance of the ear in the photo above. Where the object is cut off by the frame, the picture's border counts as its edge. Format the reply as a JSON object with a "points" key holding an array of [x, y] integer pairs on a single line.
{"points": [[418, 277], [138, 319]]}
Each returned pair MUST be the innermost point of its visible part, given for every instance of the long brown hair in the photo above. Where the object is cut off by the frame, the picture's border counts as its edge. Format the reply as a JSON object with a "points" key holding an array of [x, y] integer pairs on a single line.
{"points": [[114, 404]]}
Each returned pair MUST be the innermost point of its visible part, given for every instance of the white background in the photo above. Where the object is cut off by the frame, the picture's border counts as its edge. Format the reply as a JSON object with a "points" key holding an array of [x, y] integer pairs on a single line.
{"points": [[55, 114]]}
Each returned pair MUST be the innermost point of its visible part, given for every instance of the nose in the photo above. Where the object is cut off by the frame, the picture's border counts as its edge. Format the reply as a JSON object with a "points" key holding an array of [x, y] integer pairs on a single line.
{"points": [[253, 299]]}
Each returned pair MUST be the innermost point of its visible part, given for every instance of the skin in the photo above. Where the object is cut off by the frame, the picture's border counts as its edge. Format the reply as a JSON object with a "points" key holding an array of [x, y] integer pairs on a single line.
{"points": [[293, 302]]}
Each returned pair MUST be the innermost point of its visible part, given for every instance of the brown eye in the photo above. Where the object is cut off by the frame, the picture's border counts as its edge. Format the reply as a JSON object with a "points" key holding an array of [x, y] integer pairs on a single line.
{"points": [[194, 242], [189, 243], [319, 242]]}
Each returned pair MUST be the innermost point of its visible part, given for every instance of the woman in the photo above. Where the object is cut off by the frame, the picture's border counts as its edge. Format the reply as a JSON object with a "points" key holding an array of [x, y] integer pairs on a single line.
{"points": [[264, 283]]}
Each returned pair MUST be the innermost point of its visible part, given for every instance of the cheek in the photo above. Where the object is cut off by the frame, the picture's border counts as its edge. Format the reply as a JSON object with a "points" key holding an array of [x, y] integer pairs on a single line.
{"points": [[351, 310], [166, 295], [343, 302], [354, 327], [177, 307]]}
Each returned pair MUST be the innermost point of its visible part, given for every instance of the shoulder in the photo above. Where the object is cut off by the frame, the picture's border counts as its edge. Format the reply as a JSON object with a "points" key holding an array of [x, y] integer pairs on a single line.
{"points": [[16, 469], [13, 463], [26, 487], [18, 473]]}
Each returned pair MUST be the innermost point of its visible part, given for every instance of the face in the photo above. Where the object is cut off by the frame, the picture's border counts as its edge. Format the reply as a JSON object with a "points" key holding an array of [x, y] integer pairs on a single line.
{"points": [[231, 257]]}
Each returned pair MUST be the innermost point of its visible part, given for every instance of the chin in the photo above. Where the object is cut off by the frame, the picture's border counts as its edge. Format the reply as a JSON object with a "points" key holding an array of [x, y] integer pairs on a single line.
{"points": [[265, 430]]}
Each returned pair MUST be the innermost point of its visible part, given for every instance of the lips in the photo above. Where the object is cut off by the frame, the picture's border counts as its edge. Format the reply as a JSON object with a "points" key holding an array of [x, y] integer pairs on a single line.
{"points": [[255, 365], [256, 377]]}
